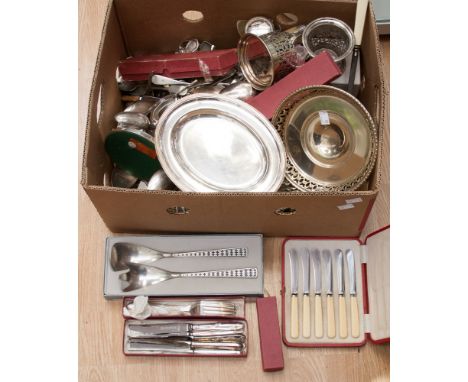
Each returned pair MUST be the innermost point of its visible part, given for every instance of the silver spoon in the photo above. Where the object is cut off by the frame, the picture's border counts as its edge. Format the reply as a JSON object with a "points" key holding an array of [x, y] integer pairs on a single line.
{"points": [[141, 276], [160, 181], [241, 90], [122, 178], [123, 254]]}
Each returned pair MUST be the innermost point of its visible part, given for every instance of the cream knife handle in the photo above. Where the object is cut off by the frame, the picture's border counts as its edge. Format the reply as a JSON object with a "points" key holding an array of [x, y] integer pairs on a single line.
{"points": [[294, 317], [306, 316], [342, 315], [331, 317], [361, 10], [354, 317], [318, 316]]}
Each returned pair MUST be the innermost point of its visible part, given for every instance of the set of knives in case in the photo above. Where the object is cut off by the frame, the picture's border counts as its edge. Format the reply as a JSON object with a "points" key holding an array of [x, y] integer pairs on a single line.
{"points": [[185, 327], [336, 291], [184, 295], [191, 326]]}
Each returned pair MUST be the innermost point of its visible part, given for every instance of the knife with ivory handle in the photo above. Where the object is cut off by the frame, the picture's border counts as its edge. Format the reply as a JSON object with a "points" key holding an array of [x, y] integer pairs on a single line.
{"points": [[305, 262], [353, 294], [294, 289], [341, 293], [317, 268], [327, 258]]}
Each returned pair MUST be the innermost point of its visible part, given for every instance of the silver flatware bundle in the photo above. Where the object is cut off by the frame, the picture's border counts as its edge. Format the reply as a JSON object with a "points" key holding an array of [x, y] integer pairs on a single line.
{"points": [[123, 254], [183, 308], [140, 276], [146, 329], [181, 346], [215, 338]]}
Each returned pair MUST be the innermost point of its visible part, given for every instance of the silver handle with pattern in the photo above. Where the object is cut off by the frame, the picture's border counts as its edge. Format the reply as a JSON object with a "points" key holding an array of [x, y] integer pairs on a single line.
{"points": [[241, 273], [222, 252]]}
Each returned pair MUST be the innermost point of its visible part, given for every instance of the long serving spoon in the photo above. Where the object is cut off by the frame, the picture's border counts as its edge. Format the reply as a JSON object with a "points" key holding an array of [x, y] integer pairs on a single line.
{"points": [[141, 276], [123, 254]]}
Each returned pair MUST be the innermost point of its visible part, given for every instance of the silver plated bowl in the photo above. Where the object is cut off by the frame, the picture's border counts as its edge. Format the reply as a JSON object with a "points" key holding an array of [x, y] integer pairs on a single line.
{"points": [[331, 141]]}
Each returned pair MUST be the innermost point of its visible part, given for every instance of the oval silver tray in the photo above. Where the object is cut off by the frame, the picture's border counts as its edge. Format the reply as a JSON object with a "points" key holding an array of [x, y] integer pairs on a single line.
{"points": [[213, 143]]}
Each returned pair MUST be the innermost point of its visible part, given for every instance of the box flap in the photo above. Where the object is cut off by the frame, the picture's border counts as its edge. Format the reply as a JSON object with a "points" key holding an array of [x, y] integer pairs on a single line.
{"points": [[378, 284]]}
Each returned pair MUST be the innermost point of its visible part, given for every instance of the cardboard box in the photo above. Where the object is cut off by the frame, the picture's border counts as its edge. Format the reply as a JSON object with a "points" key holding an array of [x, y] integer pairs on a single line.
{"points": [[136, 27]]}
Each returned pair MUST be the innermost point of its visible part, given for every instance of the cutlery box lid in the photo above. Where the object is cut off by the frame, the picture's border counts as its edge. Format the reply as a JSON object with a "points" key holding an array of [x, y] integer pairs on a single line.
{"points": [[191, 286], [374, 257]]}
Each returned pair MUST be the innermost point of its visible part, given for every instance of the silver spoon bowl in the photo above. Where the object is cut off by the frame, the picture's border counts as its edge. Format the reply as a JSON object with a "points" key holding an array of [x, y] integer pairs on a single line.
{"points": [[141, 276], [123, 254]]}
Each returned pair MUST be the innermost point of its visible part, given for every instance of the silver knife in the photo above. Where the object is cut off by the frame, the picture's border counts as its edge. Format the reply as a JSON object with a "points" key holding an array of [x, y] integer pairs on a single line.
{"points": [[327, 258], [152, 328], [180, 347], [294, 289], [317, 268], [176, 342], [353, 294], [341, 295], [305, 260]]}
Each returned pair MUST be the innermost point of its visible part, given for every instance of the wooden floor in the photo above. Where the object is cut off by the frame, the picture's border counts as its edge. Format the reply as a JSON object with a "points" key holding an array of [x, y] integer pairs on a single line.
{"points": [[101, 323]]}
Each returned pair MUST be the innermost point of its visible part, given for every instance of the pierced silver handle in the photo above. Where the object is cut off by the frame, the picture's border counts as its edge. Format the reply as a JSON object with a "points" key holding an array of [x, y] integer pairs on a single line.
{"points": [[223, 252], [241, 273]]}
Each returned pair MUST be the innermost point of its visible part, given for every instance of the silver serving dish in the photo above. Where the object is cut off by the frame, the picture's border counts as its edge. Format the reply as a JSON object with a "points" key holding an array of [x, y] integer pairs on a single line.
{"points": [[213, 143], [330, 138]]}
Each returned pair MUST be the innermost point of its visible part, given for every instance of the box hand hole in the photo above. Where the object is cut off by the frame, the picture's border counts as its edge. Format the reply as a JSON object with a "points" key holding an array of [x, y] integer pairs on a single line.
{"points": [[286, 20], [193, 16], [285, 211], [178, 210]]}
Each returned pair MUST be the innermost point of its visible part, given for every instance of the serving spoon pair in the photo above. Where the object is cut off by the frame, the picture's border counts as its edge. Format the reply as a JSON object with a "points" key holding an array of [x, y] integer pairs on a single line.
{"points": [[142, 273]]}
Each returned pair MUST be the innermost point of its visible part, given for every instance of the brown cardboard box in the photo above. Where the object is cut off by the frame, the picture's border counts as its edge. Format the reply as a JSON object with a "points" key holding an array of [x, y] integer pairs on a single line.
{"points": [[134, 27]]}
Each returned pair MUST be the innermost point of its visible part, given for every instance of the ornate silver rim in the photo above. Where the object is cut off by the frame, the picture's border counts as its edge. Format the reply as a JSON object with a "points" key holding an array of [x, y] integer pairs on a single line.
{"points": [[294, 180]]}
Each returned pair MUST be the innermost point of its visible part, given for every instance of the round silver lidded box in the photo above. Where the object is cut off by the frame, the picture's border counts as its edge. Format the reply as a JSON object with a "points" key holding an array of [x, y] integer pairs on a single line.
{"points": [[331, 35]]}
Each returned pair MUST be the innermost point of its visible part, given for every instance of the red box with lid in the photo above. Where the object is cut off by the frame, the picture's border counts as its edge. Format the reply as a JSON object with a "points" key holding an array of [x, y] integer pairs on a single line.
{"points": [[373, 291]]}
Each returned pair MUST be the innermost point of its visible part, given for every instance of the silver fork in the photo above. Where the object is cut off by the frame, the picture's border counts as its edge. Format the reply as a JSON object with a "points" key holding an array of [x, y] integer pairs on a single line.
{"points": [[182, 308], [141, 276]]}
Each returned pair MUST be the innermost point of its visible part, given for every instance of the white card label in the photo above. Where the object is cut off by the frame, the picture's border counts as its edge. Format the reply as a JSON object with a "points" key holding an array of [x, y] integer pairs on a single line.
{"points": [[355, 200], [345, 207], [324, 118]]}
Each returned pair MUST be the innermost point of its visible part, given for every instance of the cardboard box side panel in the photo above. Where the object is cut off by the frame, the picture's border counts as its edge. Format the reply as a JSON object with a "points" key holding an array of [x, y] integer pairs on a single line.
{"points": [[144, 34], [140, 212], [104, 101]]}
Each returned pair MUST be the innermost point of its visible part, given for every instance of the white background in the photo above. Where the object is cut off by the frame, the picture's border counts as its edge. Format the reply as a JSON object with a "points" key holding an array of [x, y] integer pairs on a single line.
{"points": [[429, 160]]}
